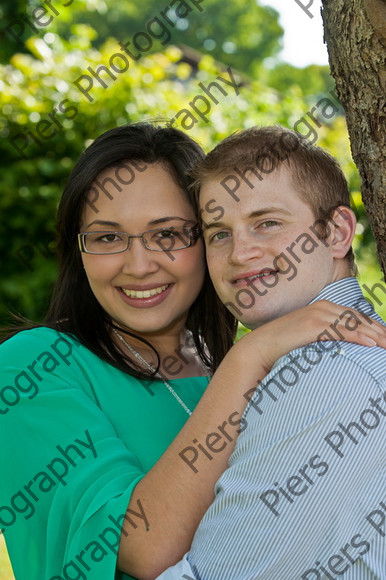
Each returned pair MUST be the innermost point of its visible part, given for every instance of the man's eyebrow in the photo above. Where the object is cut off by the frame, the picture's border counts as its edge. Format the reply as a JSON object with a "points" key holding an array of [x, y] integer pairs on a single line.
{"points": [[265, 210], [205, 227], [258, 213]]}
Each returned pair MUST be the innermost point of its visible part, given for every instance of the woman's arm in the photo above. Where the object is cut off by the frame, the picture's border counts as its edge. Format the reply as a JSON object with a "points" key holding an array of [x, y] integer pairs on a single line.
{"points": [[175, 493]]}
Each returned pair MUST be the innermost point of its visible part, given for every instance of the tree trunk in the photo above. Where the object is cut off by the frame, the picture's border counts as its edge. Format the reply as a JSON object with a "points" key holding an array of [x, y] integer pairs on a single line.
{"points": [[355, 33]]}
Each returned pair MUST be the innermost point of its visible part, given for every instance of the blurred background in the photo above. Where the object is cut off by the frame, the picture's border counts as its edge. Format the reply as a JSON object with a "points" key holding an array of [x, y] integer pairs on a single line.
{"points": [[274, 49]]}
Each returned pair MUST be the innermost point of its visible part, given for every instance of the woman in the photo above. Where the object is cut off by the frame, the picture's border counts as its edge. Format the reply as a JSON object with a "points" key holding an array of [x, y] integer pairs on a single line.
{"points": [[97, 403]]}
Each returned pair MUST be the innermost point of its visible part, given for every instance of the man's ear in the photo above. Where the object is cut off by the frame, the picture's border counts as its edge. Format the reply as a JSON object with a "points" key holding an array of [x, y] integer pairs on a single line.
{"points": [[343, 224]]}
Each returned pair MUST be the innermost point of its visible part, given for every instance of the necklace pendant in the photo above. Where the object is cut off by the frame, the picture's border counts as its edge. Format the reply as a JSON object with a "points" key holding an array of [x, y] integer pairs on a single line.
{"points": [[157, 374]]}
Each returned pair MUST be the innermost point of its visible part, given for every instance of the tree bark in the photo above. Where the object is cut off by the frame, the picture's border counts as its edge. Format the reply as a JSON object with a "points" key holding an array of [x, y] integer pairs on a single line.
{"points": [[355, 33]]}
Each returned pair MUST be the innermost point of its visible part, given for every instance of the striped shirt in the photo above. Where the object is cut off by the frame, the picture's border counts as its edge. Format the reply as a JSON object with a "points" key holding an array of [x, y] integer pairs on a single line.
{"points": [[304, 496]]}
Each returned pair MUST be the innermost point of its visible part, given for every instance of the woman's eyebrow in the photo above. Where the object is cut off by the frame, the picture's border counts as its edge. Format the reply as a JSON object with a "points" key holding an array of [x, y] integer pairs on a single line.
{"points": [[103, 223], [152, 222], [167, 219]]}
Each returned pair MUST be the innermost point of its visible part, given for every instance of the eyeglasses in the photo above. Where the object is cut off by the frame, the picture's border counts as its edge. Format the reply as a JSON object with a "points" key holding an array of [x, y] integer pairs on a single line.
{"points": [[158, 240]]}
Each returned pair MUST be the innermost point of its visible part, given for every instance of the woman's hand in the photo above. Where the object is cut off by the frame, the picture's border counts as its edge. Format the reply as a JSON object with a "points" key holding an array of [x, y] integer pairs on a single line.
{"points": [[320, 321]]}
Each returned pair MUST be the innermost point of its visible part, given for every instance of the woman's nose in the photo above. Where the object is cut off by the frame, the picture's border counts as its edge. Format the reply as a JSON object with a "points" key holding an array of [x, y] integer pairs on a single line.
{"points": [[138, 260]]}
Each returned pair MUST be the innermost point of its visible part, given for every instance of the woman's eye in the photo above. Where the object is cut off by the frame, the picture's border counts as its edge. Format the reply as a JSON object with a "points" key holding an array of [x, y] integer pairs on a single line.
{"points": [[165, 234], [108, 238]]}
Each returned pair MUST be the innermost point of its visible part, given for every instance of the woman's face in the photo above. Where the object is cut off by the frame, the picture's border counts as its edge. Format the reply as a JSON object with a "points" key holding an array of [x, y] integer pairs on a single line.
{"points": [[146, 291]]}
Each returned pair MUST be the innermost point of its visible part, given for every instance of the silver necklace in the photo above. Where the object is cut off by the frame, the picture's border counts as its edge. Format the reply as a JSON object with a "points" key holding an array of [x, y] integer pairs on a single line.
{"points": [[157, 374]]}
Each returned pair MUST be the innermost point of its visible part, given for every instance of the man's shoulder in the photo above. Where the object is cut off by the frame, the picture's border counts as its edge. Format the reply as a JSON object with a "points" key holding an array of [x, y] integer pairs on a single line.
{"points": [[327, 357], [321, 362], [321, 377], [372, 360]]}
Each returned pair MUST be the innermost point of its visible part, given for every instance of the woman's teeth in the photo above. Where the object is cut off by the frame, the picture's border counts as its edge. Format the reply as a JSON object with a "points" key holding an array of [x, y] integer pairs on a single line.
{"points": [[144, 293]]}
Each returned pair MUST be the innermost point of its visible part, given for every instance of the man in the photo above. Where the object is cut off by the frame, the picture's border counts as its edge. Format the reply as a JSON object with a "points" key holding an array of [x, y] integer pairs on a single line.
{"points": [[305, 492]]}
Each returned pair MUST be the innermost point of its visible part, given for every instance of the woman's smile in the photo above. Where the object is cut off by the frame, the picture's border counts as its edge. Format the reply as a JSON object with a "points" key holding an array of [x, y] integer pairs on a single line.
{"points": [[146, 298]]}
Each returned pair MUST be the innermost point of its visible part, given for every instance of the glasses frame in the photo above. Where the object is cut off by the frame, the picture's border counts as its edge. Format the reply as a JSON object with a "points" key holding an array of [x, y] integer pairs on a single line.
{"points": [[193, 232]]}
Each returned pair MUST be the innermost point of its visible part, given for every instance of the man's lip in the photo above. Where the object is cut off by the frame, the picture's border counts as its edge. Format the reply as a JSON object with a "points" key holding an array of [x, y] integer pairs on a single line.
{"points": [[255, 273]]}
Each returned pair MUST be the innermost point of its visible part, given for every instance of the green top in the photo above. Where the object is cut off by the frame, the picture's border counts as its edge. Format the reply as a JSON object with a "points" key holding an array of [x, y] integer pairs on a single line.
{"points": [[77, 436]]}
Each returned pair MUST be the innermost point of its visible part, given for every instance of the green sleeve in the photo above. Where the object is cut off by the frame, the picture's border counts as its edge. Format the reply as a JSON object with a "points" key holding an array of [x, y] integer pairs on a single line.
{"points": [[67, 477]]}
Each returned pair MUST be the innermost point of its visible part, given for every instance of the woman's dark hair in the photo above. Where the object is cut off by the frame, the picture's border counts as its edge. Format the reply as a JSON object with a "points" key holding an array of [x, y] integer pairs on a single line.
{"points": [[74, 308]]}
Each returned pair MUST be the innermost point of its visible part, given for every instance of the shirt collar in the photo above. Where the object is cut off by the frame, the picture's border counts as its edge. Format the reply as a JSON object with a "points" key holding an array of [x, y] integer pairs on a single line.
{"points": [[345, 292]]}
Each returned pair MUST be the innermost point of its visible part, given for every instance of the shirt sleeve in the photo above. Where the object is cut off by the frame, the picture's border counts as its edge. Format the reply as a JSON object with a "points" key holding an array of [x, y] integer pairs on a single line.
{"points": [[304, 489], [68, 477]]}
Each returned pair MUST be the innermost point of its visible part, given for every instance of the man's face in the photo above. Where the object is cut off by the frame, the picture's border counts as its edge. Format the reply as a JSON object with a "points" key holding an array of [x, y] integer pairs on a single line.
{"points": [[264, 254]]}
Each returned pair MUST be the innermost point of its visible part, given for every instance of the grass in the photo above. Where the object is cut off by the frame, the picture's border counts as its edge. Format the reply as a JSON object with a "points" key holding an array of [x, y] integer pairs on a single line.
{"points": [[5, 566]]}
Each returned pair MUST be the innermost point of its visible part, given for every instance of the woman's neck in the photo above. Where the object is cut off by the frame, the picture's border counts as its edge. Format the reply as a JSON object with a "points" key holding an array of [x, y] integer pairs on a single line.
{"points": [[177, 352]]}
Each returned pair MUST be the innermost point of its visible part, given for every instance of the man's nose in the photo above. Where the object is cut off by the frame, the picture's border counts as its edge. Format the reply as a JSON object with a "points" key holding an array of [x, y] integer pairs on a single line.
{"points": [[245, 247]]}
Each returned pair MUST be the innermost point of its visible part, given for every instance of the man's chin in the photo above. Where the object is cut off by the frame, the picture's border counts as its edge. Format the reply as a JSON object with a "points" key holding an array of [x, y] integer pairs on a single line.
{"points": [[255, 321], [252, 323]]}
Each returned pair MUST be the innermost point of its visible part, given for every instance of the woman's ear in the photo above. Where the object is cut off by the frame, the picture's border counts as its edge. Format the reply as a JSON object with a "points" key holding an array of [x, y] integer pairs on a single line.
{"points": [[343, 224]]}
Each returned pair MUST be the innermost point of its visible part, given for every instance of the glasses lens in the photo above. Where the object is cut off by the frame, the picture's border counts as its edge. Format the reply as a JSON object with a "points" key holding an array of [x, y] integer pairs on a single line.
{"points": [[166, 240], [105, 242]]}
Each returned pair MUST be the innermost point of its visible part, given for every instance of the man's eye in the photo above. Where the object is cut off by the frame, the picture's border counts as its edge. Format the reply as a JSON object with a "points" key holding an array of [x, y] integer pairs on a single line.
{"points": [[269, 224], [219, 236]]}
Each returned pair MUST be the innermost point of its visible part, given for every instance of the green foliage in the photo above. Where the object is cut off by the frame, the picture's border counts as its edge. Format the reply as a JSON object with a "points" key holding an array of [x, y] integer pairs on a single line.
{"points": [[312, 80], [9, 12], [231, 32]]}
